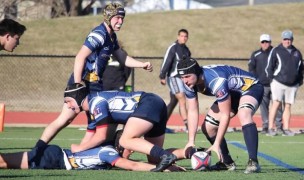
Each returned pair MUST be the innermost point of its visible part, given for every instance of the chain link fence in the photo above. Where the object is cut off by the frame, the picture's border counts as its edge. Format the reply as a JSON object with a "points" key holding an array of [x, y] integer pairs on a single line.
{"points": [[35, 83]]}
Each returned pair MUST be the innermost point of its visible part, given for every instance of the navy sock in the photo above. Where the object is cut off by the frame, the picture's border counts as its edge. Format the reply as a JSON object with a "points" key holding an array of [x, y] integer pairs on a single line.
{"points": [[250, 133], [157, 151], [224, 148]]}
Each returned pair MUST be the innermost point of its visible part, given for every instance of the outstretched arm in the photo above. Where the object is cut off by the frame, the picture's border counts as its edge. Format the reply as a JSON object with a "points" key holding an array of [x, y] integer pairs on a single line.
{"points": [[193, 114], [98, 138], [225, 109]]}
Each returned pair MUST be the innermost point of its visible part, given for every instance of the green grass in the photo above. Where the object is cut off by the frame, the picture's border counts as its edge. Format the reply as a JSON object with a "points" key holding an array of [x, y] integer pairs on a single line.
{"points": [[287, 149]]}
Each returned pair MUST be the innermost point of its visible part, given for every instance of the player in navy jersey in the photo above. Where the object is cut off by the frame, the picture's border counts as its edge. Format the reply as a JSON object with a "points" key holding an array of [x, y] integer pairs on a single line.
{"points": [[237, 92], [91, 61], [53, 157], [144, 115]]}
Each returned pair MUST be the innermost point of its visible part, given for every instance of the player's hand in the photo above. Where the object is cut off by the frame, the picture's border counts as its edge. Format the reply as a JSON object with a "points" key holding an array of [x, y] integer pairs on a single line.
{"points": [[217, 150], [75, 148], [188, 147], [163, 81], [148, 66]]}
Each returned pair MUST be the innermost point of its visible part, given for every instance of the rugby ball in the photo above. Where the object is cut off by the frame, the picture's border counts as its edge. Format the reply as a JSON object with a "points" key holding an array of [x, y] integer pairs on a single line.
{"points": [[200, 160]]}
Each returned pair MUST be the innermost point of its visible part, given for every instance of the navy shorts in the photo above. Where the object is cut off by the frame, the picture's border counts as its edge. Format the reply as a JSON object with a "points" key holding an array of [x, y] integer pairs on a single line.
{"points": [[153, 109], [256, 91], [50, 158]]}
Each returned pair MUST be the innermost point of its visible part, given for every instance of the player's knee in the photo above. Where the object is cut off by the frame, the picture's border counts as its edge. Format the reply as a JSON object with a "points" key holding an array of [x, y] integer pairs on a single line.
{"points": [[210, 126]]}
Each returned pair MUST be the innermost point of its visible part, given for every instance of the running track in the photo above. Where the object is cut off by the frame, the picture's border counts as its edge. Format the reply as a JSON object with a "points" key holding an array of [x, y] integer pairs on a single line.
{"points": [[44, 118]]}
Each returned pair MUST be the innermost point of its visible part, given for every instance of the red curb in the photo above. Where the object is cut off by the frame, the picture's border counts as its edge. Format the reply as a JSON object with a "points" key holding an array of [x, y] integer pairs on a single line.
{"points": [[40, 118]]}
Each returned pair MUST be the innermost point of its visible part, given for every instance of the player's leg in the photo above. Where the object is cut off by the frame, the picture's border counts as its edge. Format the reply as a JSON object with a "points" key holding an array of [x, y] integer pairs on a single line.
{"points": [[65, 118], [209, 129], [17, 160], [248, 105]]}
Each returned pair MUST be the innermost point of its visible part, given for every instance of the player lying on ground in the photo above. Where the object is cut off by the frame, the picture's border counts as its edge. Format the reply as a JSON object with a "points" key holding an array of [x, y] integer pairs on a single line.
{"points": [[54, 157], [236, 91]]}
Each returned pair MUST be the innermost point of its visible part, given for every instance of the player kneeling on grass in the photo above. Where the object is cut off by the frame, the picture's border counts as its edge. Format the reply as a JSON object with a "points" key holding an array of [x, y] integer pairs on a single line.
{"points": [[144, 115], [99, 158], [236, 91]]}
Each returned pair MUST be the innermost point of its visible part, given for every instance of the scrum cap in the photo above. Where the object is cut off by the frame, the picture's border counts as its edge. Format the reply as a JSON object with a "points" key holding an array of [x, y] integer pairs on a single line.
{"points": [[112, 10], [76, 91], [189, 66]]}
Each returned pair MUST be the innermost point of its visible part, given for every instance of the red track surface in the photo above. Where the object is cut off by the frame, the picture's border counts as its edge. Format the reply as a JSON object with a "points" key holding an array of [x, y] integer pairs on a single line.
{"points": [[44, 118]]}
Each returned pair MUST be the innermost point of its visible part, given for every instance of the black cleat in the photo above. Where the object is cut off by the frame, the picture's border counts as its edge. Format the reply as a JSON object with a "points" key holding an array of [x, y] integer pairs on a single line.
{"points": [[166, 161]]}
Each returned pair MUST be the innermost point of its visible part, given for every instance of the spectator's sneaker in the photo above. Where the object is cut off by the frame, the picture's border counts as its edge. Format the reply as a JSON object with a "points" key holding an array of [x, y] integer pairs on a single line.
{"points": [[252, 167], [287, 132], [220, 166], [271, 132], [166, 161], [279, 131], [264, 131]]}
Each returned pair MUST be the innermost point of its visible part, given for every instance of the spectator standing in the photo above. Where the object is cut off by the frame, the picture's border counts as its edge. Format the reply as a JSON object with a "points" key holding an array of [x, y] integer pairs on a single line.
{"points": [[285, 69], [176, 52], [257, 64], [116, 74], [10, 34]]}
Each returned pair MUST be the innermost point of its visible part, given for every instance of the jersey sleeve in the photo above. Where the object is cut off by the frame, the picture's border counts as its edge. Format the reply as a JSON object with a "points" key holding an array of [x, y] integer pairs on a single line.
{"points": [[94, 40], [100, 115], [109, 155], [220, 89], [190, 92]]}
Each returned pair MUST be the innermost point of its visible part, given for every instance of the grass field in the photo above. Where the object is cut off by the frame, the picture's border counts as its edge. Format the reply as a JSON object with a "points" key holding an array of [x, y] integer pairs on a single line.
{"points": [[280, 157]]}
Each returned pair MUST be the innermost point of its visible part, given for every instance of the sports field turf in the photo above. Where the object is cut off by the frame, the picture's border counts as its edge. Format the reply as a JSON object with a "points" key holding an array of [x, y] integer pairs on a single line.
{"points": [[280, 157]]}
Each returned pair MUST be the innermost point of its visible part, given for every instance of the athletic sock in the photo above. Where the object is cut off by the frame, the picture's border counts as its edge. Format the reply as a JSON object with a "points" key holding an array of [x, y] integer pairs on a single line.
{"points": [[158, 152], [250, 133], [224, 148]]}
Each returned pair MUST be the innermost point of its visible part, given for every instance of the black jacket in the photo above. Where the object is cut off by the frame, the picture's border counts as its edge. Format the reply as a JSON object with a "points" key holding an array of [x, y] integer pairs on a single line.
{"points": [[175, 53], [284, 66], [257, 65]]}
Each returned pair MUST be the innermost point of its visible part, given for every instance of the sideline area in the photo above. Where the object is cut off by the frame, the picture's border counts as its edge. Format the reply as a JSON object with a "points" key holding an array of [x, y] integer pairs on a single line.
{"points": [[40, 119]]}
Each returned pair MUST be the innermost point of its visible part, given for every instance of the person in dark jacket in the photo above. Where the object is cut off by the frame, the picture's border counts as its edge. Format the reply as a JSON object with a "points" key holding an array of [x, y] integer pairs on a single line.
{"points": [[175, 53], [116, 75], [285, 69], [257, 64]]}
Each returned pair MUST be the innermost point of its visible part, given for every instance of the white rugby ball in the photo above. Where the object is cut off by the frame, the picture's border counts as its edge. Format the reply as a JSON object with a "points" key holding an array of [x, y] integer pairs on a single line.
{"points": [[200, 160]]}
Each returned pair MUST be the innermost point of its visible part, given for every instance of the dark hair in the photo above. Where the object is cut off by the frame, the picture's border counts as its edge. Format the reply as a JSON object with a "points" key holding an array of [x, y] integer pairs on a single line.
{"points": [[182, 30], [118, 147], [11, 27]]}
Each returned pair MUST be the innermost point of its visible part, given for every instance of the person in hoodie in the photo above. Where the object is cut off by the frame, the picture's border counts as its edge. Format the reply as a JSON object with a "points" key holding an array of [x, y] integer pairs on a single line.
{"points": [[257, 64], [285, 69]]}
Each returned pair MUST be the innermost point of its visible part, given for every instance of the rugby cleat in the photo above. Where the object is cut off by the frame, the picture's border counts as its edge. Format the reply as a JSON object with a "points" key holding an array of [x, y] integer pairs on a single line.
{"points": [[166, 161]]}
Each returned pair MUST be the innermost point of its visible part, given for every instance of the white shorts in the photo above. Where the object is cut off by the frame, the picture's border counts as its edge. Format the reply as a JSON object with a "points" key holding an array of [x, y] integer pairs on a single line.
{"points": [[279, 91], [175, 84]]}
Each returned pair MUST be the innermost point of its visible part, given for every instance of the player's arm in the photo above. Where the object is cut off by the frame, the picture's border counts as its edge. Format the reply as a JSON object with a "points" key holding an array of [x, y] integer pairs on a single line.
{"points": [[193, 115], [98, 138], [167, 63], [17, 160], [224, 108], [128, 61], [79, 64]]}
